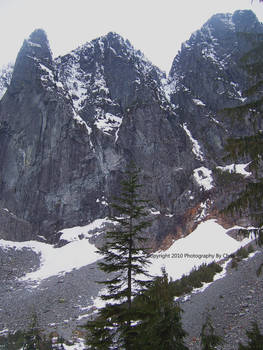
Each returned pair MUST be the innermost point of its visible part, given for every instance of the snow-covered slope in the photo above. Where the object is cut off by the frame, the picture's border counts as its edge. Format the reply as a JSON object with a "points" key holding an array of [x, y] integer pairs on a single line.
{"points": [[208, 242]]}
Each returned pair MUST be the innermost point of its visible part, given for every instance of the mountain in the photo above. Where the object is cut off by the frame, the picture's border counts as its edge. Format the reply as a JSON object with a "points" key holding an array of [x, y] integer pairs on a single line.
{"points": [[70, 125]]}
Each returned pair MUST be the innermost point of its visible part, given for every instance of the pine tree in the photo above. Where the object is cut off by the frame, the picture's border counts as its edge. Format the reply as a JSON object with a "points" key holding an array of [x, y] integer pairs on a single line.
{"points": [[161, 326], [209, 340], [32, 338], [255, 339], [125, 260]]}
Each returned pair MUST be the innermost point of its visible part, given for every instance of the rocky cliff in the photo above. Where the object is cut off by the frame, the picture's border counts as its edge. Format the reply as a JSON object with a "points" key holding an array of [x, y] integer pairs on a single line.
{"points": [[70, 125]]}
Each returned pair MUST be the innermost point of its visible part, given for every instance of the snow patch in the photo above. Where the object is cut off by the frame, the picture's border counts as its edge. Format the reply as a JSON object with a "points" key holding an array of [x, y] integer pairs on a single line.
{"points": [[79, 232], [99, 81], [206, 285], [237, 92], [196, 147], [198, 102], [236, 168], [154, 211], [204, 206], [107, 122], [54, 261], [74, 80], [30, 43], [203, 177], [80, 121], [80, 344], [48, 73], [102, 201], [207, 243], [6, 73]]}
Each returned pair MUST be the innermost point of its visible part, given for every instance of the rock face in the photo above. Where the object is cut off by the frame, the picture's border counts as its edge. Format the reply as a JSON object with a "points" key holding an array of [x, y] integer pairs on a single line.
{"points": [[69, 126]]}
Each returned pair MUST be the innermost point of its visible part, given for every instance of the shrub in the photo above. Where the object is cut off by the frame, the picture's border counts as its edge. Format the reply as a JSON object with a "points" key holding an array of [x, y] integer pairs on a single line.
{"points": [[242, 253], [234, 263], [255, 341], [258, 272], [250, 249], [196, 278]]}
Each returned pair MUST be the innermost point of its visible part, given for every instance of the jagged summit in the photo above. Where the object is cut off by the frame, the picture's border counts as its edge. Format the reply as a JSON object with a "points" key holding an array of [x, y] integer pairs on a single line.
{"points": [[246, 20], [112, 46], [70, 125], [115, 39], [240, 20], [34, 52], [37, 45], [223, 28], [39, 36], [39, 41], [95, 72], [212, 56]]}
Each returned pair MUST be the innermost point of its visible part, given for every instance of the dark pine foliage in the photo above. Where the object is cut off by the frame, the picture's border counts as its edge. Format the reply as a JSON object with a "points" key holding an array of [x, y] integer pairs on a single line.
{"points": [[160, 327], [209, 340], [255, 339], [125, 261]]}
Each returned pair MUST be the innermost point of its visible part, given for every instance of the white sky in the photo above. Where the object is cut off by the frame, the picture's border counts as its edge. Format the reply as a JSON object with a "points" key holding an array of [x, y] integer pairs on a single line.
{"points": [[156, 27]]}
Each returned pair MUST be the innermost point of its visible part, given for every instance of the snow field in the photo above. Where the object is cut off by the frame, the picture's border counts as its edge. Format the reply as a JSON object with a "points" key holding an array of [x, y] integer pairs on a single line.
{"points": [[208, 242]]}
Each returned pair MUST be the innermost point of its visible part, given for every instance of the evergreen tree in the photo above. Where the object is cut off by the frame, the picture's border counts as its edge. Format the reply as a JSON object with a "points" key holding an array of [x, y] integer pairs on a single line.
{"points": [[255, 339], [209, 340], [161, 326], [32, 338], [125, 260]]}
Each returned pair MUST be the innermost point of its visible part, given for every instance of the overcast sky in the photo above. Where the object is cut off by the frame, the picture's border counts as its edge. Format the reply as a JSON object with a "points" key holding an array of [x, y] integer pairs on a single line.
{"points": [[156, 27]]}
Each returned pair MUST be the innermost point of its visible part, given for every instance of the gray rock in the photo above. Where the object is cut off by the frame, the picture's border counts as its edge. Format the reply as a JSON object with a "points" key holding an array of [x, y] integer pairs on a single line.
{"points": [[69, 126]]}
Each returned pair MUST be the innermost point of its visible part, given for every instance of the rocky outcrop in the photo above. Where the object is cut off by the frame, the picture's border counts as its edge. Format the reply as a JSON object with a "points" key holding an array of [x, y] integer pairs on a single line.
{"points": [[69, 126]]}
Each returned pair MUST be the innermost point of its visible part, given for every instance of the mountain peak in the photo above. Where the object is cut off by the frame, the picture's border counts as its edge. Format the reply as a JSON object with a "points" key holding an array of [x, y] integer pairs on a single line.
{"points": [[246, 20], [240, 21], [114, 36], [38, 36], [39, 44], [115, 41], [34, 51]]}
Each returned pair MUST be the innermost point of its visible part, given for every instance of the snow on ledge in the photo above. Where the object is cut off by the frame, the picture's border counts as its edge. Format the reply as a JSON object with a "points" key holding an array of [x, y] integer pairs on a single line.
{"points": [[236, 168], [196, 147], [108, 122], [74, 233], [203, 177], [198, 102]]}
